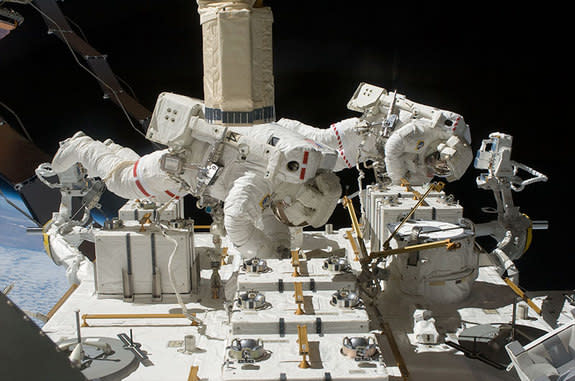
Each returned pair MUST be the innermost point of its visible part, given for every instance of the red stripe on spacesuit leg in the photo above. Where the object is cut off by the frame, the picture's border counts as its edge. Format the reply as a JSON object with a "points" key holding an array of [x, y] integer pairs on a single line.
{"points": [[141, 188], [304, 163], [302, 174], [456, 122], [138, 183], [171, 194]]}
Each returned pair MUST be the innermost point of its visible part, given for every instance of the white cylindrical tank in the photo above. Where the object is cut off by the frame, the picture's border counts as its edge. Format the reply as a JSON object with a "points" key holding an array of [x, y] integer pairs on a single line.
{"points": [[439, 275]]}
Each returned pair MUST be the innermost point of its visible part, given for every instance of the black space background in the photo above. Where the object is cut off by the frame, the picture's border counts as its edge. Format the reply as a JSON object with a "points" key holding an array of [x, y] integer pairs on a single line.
{"points": [[503, 68]]}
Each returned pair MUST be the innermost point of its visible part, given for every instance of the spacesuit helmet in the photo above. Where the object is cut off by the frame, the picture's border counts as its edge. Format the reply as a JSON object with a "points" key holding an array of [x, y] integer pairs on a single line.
{"points": [[449, 159], [436, 165]]}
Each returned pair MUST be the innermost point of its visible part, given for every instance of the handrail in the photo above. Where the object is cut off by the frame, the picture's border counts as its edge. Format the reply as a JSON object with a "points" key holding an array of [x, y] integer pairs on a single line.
{"points": [[133, 316]]}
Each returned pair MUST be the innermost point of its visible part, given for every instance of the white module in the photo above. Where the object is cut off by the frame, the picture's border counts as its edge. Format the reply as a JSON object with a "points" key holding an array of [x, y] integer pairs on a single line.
{"points": [[144, 264], [391, 205], [442, 274], [278, 314], [314, 275], [280, 359]]}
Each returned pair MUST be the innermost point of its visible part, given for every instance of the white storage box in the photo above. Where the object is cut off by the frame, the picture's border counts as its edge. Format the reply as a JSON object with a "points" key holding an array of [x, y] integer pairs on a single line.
{"points": [[392, 205], [133, 264]]}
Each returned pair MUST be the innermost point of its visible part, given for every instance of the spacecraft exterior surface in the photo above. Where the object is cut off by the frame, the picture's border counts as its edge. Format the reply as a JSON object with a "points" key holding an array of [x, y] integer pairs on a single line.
{"points": [[254, 296]]}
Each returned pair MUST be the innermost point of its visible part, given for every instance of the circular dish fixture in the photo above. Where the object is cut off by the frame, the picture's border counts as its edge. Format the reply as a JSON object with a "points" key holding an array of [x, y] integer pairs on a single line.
{"points": [[101, 358], [255, 265], [251, 300], [247, 350], [345, 299], [335, 263], [359, 347]]}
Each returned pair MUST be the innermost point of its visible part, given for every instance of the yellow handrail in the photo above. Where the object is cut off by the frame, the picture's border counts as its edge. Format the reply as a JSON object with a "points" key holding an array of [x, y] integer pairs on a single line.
{"points": [[353, 245], [223, 256], [61, 301], [295, 262], [303, 345], [522, 295], [298, 297], [132, 316], [420, 246], [437, 187], [193, 376], [348, 204]]}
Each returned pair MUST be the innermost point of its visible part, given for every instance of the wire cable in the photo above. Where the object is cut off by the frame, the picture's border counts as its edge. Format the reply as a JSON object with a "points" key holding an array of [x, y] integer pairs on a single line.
{"points": [[84, 36], [18, 120], [171, 276], [101, 81]]}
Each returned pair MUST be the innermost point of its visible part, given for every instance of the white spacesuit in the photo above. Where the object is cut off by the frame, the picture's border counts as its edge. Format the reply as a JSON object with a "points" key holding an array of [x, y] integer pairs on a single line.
{"points": [[351, 145], [264, 174], [417, 141], [423, 148]]}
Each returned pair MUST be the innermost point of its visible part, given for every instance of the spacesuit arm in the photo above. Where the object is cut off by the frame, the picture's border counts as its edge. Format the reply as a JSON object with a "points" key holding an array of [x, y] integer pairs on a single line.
{"points": [[125, 173], [352, 147]]}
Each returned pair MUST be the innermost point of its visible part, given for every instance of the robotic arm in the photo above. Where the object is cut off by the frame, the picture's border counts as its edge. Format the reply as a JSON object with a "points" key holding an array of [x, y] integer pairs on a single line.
{"points": [[512, 230]]}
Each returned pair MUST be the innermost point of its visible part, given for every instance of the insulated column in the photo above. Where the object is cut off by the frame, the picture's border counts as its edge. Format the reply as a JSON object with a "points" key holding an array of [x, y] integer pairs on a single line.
{"points": [[238, 63]]}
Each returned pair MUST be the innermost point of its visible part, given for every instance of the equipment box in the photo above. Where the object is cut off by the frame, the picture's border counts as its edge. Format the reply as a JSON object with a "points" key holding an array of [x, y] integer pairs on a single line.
{"points": [[132, 263], [393, 204]]}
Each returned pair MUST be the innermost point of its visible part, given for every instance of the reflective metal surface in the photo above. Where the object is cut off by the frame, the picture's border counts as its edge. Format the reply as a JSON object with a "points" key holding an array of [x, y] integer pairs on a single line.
{"points": [[355, 347], [247, 349], [251, 300], [335, 263], [255, 265], [345, 299]]}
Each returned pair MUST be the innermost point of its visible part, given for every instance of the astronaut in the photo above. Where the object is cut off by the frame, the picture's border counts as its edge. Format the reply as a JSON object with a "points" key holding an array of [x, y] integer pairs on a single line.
{"points": [[268, 177], [407, 140], [423, 148]]}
